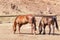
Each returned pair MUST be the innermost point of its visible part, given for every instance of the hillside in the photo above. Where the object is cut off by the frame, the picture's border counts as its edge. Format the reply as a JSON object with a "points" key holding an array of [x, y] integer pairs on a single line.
{"points": [[16, 7], [21, 7]]}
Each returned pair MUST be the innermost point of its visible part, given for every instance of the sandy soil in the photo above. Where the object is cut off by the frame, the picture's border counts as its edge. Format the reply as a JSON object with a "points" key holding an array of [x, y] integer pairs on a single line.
{"points": [[6, 33]]}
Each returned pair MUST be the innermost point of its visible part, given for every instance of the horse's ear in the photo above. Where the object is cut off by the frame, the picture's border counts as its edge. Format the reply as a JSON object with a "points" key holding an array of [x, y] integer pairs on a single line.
{"points": [[50, 13], [41, 12]]}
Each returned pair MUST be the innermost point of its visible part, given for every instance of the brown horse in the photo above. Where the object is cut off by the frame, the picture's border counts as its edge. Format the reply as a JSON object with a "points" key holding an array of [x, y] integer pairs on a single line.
{"points": [[47, 21], [24, 19]]}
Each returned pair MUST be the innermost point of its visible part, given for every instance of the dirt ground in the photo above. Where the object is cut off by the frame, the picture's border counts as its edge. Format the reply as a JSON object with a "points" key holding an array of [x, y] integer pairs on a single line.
{"points": [[6, 33]]}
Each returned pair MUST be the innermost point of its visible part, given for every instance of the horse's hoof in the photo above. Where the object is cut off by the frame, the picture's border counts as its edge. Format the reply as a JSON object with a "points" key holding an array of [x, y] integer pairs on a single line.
{"points": [[19, 32], [34, 33], [31, 33], [53, 33], [40, 33], [43, 33], [49, 34], [14, 33]]}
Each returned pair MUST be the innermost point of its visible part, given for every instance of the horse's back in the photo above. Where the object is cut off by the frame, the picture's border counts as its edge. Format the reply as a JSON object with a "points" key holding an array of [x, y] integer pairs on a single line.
{"points": [[24, 18], [21, 19], [46, 20]]}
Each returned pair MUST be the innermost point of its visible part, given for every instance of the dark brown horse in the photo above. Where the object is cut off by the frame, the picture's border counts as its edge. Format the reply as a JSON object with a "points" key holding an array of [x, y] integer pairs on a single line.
{"points": [[24, 19], [47, 21]]}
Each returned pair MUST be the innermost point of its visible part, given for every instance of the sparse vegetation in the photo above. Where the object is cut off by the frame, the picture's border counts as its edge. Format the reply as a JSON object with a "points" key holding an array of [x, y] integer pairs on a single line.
{"points": [[20, 7]]}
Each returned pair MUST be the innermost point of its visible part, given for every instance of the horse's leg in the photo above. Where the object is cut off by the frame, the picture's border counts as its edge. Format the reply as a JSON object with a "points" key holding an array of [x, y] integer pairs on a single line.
{"points": [[44, 29], [32, 28], [14, 27], [33, 24], [49, 29], [53, 29], [40, 29], [19, 26]]}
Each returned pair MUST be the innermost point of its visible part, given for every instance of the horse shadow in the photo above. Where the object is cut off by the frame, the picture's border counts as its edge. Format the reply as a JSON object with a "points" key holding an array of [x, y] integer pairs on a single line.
{"points": [[57, 34], [25, 33]]}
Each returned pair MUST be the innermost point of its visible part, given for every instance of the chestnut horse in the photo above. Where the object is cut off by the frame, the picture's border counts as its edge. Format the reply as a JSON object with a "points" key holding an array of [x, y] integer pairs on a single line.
{"points": [[24, 19], [47, 21]]}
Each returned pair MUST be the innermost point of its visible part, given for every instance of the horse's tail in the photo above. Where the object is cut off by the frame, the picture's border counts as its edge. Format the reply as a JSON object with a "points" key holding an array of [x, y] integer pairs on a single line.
{"points": [[14, 26], [55, 21]]}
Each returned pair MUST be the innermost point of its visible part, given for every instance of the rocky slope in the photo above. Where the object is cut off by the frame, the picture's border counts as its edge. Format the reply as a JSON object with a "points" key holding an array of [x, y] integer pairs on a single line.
{"points": [[16, 7]]}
